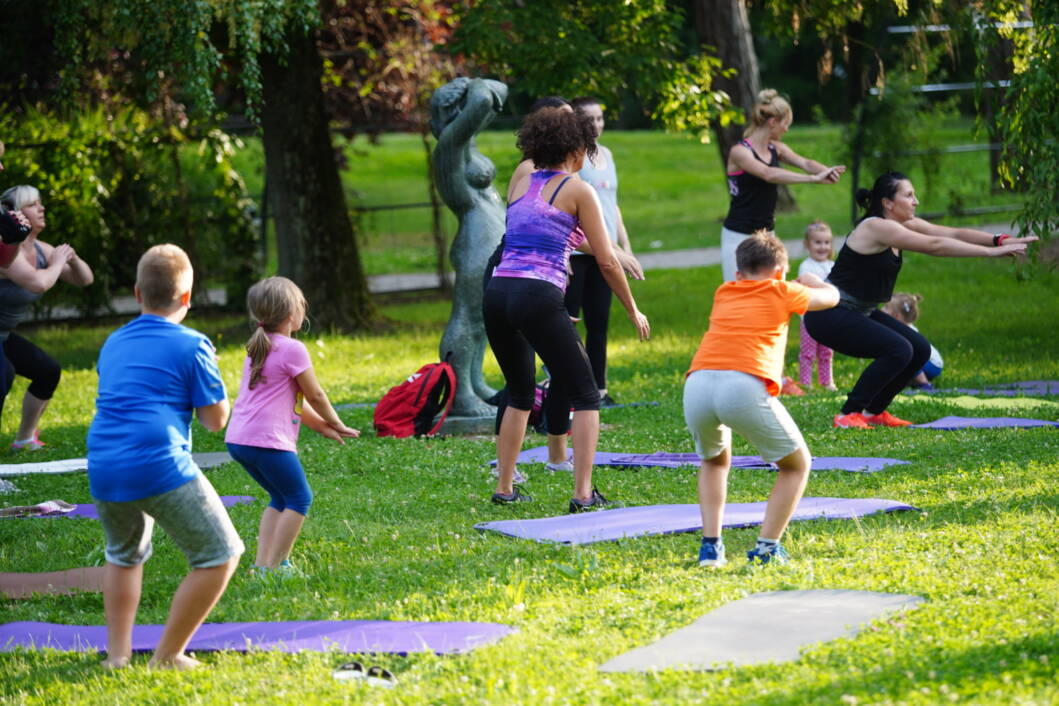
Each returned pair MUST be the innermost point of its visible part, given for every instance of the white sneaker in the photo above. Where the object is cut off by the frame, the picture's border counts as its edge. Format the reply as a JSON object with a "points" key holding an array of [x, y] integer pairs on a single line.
{"points": [[567, 466], [519, 478]]}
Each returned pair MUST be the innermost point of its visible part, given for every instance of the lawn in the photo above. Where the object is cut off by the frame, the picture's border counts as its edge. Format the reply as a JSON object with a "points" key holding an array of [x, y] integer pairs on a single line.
{"points": [[673, 193], [390, 536]]}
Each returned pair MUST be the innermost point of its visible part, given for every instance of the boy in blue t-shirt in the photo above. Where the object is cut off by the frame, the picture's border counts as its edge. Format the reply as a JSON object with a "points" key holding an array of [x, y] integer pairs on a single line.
{"points": [[152, 373]]}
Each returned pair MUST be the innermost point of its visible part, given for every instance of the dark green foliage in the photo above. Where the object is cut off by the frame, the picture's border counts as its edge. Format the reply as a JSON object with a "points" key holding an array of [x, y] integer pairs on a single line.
{"points": [[114, 183]]}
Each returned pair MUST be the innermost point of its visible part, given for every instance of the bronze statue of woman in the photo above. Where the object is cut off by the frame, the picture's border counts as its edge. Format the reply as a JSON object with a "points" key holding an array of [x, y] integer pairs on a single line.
{"points": [[464, 176]]}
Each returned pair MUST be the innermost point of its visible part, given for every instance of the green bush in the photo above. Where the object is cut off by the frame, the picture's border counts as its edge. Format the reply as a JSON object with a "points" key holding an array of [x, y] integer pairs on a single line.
{"points": [[115, 185]]}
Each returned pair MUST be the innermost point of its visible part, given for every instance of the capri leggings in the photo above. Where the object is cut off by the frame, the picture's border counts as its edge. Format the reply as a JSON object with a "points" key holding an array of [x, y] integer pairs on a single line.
{"points": [[899, 352], [523, 316], [26, 359], [279, 472], [589, 292]]}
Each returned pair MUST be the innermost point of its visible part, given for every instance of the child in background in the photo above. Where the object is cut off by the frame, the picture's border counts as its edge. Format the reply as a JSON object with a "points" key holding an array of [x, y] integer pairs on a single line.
{"points": [[733, 382], [152, 373], [819, 263], [905, 308], [279, 390]]}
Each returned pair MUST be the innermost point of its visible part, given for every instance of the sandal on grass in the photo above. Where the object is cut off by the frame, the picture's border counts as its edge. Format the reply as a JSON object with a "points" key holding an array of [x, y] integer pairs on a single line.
{"points": [[350, 671]]}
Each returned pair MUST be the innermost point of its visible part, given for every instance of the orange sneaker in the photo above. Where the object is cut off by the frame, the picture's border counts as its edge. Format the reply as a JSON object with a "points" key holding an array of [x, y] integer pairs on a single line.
{"points": [[790, 388], [885, 419], [853, 420]]}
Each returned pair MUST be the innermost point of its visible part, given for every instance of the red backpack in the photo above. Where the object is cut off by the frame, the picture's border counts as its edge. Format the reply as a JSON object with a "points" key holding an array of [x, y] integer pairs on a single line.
{"points": [[410, 407]]}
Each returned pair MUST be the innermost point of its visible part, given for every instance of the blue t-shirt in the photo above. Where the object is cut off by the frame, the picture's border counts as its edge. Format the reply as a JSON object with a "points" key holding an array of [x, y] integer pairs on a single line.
{"points": [[152, 375]]}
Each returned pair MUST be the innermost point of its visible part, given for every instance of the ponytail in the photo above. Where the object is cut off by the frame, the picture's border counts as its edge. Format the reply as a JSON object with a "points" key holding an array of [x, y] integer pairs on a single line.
{"points": [[257, 349], [885, 187]]}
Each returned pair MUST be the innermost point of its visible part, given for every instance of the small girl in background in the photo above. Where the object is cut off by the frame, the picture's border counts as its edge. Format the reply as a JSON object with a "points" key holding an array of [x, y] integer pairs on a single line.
{"points": [[905, 308], [278, 392], [819, 263]]}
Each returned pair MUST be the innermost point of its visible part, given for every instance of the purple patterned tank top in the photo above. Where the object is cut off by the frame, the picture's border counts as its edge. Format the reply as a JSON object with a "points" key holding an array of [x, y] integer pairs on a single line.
{"points": [[539, 236]]}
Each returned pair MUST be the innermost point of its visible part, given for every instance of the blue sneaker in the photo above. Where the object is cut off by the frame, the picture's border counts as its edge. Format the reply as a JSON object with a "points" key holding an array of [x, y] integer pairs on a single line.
{"points": [[711, 554], [777, 554]]}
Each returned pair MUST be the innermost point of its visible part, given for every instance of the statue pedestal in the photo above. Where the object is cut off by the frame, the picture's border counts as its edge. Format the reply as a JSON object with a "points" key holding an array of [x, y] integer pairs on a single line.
{"points": [[468, 425]]}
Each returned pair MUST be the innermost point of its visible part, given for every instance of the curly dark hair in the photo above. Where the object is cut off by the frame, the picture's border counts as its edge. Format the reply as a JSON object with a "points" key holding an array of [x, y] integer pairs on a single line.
{"points": [[549, 136]]}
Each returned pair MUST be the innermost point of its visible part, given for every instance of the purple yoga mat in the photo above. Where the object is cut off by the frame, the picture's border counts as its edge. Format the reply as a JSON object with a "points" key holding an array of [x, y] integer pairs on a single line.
{"points": [[1025, 388], [647, 520], [88, 510], [663, 459], [349, 636], [950, 423]]}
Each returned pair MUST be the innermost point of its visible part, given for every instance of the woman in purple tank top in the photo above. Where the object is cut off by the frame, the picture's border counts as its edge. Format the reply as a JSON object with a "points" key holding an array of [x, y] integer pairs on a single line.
{"points": [[550, 213]]}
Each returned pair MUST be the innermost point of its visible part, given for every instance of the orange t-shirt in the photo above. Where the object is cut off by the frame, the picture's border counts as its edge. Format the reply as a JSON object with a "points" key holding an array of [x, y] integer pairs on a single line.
{"points": [[748, 328]]}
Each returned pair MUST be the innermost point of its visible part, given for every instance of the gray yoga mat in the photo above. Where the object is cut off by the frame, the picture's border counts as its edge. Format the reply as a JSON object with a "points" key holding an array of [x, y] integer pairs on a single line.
{"points": [[762, 628], [205, 460]]}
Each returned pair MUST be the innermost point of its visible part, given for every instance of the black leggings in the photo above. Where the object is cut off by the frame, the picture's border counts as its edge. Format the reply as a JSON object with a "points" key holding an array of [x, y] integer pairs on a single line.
{"points": [[899, 352], [588, 291], [523, 316], [24, 358]]}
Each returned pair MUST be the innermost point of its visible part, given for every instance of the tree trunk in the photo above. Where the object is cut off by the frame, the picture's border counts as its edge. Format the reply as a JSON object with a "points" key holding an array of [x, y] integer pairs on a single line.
{"points": [[725, 26], [314, 234]]}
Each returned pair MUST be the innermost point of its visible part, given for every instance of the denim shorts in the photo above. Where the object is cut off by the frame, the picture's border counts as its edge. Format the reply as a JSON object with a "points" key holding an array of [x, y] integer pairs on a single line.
{"points": [[192, 515], [716, 402]]}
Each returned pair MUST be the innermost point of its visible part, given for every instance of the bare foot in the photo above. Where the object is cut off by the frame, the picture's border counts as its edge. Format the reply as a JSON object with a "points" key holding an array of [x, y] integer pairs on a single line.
{"points": [[115, 662], [179, 662]]}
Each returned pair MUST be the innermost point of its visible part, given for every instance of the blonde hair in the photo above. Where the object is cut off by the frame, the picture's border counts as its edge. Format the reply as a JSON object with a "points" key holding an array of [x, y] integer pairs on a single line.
{"points": [[815, 226], [270, 302], [163, 275], [770, 104], [904, 306]]}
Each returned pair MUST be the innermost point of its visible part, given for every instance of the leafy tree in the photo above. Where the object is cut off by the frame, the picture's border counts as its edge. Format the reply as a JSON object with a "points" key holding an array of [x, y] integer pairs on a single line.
{"points": [[181, 51], [601, 49]]}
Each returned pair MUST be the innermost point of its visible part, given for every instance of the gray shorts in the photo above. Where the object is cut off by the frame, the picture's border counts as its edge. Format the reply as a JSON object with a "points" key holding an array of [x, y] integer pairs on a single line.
{"points": [[192, 515], [718, 401]]}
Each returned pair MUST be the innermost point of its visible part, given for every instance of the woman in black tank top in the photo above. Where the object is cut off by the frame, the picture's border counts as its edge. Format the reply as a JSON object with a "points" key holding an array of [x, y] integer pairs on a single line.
{"points": [[754, 172], [35, 269], [865, 272]]}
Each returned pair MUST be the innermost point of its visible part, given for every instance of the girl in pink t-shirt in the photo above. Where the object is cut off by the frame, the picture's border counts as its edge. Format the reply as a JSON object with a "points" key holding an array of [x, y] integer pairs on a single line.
{"points": [[278, 392]]}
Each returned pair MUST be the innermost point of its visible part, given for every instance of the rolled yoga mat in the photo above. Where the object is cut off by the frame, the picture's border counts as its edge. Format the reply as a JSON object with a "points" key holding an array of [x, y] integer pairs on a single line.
{"points": [[762, 628], [204, 460], [348, 636], [952, 423], [649, 520], [88, 510], [664, 459]]}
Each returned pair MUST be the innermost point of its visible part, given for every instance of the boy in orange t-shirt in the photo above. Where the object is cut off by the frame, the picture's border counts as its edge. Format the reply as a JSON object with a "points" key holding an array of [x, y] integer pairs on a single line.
{"points": [[733, 382]]}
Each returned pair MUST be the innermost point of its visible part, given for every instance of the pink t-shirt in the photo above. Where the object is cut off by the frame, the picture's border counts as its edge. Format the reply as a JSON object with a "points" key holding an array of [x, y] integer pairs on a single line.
{"points": [[269, 416]]}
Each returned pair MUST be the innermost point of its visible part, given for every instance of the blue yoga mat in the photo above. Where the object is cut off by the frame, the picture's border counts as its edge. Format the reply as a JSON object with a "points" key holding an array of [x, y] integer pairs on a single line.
{"points": [[951, 423], [648, 520]]}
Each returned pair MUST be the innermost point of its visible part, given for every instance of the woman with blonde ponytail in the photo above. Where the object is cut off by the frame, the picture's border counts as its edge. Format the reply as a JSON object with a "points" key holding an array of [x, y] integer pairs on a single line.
{"points": [[754, 172], [279, 391]]}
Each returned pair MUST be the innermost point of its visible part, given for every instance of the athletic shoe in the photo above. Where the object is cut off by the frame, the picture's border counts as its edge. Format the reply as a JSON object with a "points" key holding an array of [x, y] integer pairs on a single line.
{"points": [[567, 466], [34, 444], [831, 388], [790, 388], [776, 555], [516, 497], [711, 554], [853, 420], [885, 419], [518, 478], [607, 401], [596, 502]]}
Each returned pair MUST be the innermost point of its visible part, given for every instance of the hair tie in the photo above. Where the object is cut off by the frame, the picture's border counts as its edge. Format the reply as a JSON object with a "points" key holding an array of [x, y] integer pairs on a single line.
{"points": [[261, 324]]}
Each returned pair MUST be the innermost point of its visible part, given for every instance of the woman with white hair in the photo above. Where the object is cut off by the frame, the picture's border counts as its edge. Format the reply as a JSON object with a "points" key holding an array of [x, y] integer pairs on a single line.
{"points": [[34, 270]]}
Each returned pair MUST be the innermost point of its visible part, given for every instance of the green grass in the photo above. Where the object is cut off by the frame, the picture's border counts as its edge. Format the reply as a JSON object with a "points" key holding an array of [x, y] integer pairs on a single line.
{"points": [[390, 536], [673, 191]]}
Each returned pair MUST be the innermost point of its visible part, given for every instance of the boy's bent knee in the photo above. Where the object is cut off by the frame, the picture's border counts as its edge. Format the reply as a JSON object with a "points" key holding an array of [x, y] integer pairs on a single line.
{"points": [[798, 461]]}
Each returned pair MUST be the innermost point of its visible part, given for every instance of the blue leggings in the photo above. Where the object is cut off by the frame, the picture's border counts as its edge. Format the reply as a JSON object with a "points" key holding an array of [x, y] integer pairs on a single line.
{"points": [[280, 473]]}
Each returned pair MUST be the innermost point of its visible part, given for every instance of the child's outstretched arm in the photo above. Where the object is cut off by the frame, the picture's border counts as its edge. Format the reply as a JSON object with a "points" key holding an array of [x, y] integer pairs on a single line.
{"points": [[317, 412]]}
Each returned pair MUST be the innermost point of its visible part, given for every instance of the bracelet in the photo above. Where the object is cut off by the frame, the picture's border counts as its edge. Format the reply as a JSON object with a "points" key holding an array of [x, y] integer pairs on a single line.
{"points": [[999, 239]]}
